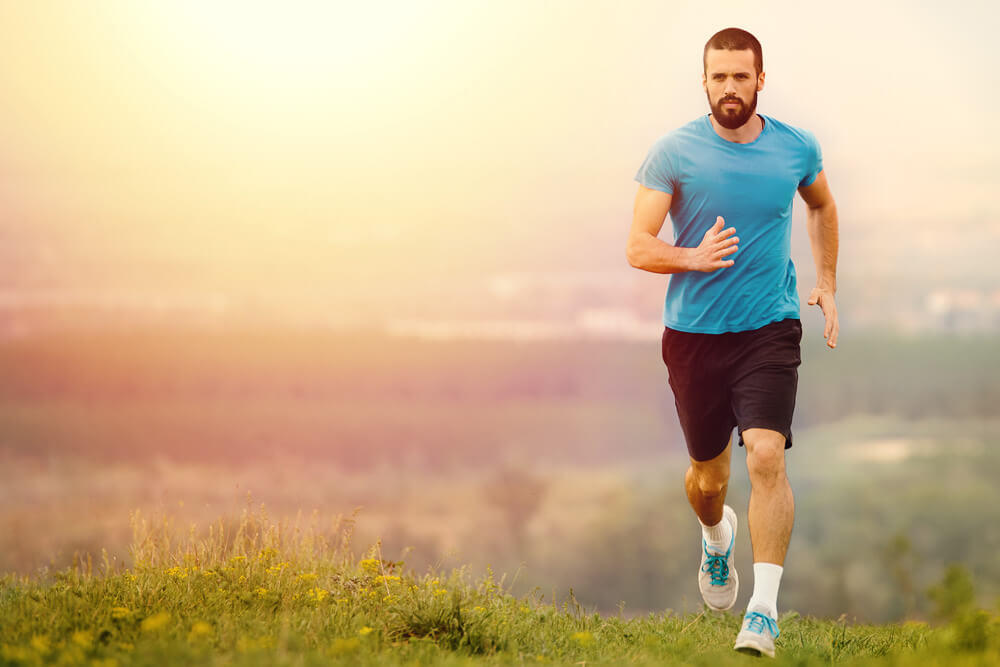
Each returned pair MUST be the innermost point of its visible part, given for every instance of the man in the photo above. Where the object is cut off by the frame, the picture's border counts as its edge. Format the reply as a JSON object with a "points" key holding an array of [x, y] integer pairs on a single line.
{"points": [[731, 314]]}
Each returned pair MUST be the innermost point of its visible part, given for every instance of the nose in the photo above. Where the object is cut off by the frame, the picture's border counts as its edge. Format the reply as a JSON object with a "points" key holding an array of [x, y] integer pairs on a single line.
{"points": [[730, 87]]}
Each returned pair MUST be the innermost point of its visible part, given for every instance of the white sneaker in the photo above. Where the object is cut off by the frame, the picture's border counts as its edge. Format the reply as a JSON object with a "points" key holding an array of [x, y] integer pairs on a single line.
{"points": [[717, 578], [758, 634]]}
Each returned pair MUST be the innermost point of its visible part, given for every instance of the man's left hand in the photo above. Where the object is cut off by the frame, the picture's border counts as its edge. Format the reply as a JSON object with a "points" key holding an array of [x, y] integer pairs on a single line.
{"points": [[824, 298]]}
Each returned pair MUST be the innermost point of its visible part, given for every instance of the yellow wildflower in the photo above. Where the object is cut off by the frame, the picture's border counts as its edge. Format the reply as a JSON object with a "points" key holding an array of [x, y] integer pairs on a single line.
{"points": [[267, 553], [441, 591], [261, 592], [83, 639], [478, 608], [369, 565], [277, 567], [119, 612], [308, 576], [342, 600], [583, 638], [200, 629], [317, 594], [40, 643], [155, 622], [365, 630]]}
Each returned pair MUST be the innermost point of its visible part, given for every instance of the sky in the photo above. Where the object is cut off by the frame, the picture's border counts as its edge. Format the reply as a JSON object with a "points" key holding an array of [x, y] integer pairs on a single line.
{"points": [[393, 151]]}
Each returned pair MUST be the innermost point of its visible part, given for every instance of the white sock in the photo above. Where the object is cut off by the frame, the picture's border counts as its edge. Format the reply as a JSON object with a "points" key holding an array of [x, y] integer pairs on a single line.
{"points": [[766, 579], [718, 536]]}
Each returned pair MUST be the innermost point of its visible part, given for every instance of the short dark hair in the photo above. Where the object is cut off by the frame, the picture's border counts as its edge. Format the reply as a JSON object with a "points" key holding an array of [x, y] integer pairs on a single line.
{"points": [[734, 39]]}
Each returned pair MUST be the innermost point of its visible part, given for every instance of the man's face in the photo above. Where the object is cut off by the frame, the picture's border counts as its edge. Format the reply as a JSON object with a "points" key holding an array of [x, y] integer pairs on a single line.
{"points": [[731, 84]]}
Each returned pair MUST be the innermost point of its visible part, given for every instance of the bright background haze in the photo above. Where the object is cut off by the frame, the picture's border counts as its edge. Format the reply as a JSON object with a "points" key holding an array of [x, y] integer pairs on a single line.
{"points": [[373, 254], [359, 162]]}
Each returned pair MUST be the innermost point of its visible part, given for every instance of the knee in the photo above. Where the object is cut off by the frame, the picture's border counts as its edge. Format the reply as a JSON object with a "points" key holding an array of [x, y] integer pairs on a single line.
{"points": [[710, 484], [766, 460]]}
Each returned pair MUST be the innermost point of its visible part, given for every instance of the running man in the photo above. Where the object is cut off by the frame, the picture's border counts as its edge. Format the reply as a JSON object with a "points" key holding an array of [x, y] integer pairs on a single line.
{"points": [[731, 315]]}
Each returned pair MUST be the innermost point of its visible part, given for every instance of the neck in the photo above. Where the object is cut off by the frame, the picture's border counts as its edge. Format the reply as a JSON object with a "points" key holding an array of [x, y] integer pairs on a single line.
{"points": [[744, 134]]}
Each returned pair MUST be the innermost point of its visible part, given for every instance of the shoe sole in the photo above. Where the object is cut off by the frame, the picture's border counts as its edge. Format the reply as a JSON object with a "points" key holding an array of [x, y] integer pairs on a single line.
{"points": [[753, 649]]}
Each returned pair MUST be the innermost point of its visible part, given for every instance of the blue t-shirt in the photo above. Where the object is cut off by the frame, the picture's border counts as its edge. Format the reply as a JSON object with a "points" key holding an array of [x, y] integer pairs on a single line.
{"points": [[752, 187]]}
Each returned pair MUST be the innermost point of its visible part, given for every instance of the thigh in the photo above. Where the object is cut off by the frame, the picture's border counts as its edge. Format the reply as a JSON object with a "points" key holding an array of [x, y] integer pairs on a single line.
{"points": [[765, 378], [701, 395]]}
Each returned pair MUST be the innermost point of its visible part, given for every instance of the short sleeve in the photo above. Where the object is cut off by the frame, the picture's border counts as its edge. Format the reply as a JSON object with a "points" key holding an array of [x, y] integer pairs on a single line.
{"points": [[657, 171], [813, 162]]}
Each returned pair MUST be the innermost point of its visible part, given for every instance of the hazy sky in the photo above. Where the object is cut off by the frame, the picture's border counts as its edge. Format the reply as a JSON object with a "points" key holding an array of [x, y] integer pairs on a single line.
{"points": [[242, 144]]}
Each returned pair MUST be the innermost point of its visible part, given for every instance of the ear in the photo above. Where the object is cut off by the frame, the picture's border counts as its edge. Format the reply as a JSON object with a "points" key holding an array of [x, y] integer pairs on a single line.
{"points": [[760, 81]]}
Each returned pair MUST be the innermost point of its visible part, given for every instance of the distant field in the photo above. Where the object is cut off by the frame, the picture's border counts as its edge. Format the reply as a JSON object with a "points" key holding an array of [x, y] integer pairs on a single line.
{"points": [[362, 400], [894, 442]]}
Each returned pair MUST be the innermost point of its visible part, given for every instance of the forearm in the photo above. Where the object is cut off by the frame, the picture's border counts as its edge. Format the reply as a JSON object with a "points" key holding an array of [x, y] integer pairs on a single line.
{"points": [[649, 253], [824, 238]]}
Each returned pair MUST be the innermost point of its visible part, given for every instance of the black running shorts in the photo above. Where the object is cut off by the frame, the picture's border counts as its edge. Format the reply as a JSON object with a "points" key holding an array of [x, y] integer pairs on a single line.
{"points": [[746, 379]]}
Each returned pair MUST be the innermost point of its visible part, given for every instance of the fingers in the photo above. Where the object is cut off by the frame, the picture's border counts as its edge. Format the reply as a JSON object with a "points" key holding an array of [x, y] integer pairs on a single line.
{"points": [[714, 233], [831, 327], [717, 244], [834, 331]]}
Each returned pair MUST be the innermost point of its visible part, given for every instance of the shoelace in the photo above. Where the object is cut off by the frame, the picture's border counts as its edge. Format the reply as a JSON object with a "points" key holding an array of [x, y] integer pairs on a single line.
{"points": [[717, 566], [758, 621]]}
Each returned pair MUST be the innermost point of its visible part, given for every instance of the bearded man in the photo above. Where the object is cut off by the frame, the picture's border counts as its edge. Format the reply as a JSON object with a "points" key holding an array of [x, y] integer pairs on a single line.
{"points": [[732, 331]]}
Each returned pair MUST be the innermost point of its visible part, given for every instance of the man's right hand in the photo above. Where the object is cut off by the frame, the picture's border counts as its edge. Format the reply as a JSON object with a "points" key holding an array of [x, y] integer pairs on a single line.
{"points": [[715, 245]]}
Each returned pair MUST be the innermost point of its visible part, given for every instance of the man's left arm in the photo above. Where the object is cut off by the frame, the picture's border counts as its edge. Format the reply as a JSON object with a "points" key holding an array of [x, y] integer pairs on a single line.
{"points": [[823, 236]]}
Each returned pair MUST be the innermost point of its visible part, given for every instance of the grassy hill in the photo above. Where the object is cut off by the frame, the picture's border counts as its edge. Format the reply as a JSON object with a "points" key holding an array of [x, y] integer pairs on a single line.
{"points": [[265, 595]]}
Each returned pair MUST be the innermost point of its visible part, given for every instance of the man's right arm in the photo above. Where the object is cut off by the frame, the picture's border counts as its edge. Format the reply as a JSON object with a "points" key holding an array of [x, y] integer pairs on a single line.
{"points": [[647, 252]]}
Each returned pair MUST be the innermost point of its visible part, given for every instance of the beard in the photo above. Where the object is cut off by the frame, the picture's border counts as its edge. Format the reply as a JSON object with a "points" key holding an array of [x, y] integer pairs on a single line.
{"points": [[732, 119]]}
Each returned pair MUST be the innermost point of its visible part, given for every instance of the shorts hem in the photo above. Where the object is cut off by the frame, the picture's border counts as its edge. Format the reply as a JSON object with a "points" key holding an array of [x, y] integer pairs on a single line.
{"points": [[787, 432]]}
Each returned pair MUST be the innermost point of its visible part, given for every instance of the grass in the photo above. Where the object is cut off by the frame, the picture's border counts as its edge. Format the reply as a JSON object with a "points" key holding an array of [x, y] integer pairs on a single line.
{"points": [[259, 593]]}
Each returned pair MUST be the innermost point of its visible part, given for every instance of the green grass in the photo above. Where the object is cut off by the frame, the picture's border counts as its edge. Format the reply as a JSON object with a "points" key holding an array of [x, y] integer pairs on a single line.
{"points": [[270, 594]]}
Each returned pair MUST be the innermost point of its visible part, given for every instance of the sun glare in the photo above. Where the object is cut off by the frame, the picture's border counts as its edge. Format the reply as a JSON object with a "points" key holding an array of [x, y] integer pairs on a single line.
{"points": [[291, 46]]}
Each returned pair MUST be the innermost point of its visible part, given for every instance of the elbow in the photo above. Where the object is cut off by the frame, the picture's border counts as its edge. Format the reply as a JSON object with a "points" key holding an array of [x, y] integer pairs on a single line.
{"points": [[632, 255]]}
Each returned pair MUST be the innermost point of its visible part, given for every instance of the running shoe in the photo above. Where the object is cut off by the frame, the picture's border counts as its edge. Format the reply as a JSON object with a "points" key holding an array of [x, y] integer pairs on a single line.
{"points": [[758, 634], [717, 578]]}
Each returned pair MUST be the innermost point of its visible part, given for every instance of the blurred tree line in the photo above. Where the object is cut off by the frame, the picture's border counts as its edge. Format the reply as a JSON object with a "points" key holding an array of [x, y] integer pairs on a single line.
{"points": [[871, 538]]}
